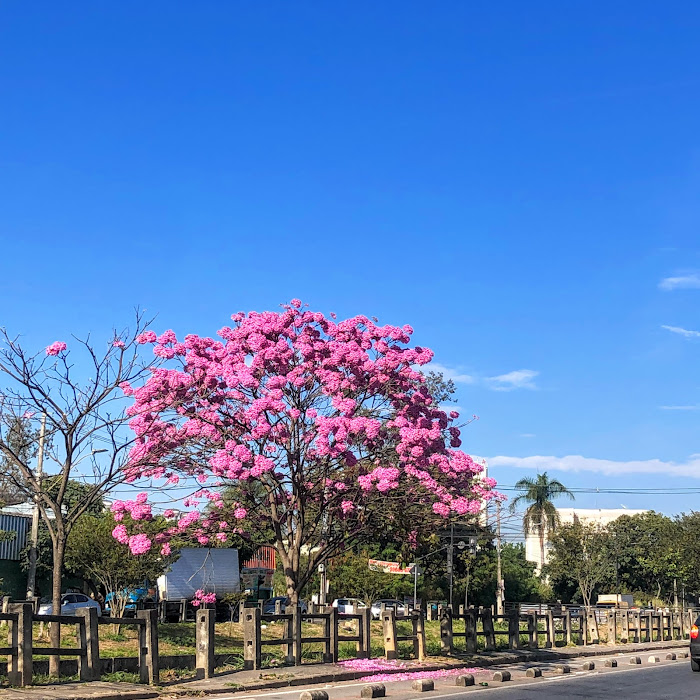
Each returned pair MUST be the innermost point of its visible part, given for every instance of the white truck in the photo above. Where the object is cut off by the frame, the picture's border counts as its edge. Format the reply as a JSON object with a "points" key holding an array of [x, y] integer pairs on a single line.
{"points": [[211, 570]]}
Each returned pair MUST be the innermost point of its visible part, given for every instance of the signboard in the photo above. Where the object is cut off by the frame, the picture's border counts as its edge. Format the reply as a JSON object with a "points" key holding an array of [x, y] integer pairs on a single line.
{"points": [[389, 567], [249, 578]]}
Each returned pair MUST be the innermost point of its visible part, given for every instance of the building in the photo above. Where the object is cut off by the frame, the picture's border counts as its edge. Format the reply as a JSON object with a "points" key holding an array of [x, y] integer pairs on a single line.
{"points": [[588, 516], [17, 521]]}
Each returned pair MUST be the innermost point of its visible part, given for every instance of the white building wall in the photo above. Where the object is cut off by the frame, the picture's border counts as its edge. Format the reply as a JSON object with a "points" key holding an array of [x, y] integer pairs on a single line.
{"points": [[588, 516]]}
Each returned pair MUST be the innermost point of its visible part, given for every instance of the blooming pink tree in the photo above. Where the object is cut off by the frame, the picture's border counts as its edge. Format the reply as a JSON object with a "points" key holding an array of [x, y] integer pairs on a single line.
{"points": [[316, 430]]}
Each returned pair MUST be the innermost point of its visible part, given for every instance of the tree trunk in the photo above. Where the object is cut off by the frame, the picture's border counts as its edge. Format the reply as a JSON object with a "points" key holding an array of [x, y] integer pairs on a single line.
{"points": [[59, 551]]}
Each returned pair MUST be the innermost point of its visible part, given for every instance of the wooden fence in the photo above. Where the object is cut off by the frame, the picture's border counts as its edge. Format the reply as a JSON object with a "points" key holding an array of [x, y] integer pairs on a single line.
{"points": [[21, 650], [561, 627]]}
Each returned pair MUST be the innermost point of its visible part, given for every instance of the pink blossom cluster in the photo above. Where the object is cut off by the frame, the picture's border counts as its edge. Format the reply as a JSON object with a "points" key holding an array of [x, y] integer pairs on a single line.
{"points": [[56, 347], [200, 597], [139, 509], [304, 404]]}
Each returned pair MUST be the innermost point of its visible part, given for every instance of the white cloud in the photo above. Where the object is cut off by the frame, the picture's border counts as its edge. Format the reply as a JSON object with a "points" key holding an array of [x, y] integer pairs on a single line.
{"points": [[683, 282], [678, 408], [682, 331], [449, 373], [518, 379], [578, 463]]}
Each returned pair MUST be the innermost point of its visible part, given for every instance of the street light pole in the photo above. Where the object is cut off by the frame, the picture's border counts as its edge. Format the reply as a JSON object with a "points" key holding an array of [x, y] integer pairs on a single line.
{"points": [[31, 573], [500, 588]]}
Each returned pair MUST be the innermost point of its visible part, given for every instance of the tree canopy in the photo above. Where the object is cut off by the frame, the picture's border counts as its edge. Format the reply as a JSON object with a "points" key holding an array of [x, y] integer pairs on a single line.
{"points": [[326, 429]]}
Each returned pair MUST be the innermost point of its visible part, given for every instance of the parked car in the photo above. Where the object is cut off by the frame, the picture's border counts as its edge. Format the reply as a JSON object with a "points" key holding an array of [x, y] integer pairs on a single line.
{"points": [[70, 602], [136, 599], [398, 607], [269, 605], [695, 646], [349, 606]]}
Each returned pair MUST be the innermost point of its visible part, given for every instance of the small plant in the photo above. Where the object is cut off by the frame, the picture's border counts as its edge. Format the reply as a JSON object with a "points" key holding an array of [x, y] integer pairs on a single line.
{"points": [[121, 677]]}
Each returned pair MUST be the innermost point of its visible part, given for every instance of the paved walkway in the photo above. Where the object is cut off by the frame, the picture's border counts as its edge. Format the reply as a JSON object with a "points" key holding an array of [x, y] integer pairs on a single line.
{"points": [[312, 674]]}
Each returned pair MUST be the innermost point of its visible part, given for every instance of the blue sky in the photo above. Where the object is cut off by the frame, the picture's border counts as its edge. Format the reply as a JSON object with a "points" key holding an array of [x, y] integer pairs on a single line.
{"points": [[518, 181]]}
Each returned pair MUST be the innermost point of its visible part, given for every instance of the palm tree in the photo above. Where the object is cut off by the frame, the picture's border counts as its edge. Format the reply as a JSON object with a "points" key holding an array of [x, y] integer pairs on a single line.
{"points": [[541, 514]]}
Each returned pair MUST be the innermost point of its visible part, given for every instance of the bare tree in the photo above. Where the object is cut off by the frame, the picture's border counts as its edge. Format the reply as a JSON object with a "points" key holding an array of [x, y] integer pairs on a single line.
{"points": [[87, 439]]}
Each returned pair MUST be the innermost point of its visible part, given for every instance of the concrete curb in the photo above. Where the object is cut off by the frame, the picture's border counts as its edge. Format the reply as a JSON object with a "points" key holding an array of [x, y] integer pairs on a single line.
{"points": [[512, 657]]}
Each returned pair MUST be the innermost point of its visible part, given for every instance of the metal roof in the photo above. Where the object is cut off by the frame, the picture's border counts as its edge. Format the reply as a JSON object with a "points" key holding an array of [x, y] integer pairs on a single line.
{"points": [[20, 525]]}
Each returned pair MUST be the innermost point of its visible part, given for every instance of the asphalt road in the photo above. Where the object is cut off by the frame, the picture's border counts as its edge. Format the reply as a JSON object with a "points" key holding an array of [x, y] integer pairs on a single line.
{"points": [[668, 680]]}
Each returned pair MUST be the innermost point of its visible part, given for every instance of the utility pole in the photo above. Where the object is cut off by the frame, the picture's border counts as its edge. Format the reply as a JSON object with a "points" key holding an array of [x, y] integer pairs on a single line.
{"points": [[500, 587], [450, 560], [31, 574], [322, 570]]}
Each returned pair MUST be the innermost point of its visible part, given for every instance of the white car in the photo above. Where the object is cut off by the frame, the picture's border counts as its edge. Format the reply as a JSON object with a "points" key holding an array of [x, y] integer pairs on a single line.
{"points": [[70, 602], [396, 605], [349, 606]]}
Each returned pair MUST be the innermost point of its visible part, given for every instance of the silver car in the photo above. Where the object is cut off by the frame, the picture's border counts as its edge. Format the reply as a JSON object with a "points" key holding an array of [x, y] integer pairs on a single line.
{"points": [[396, 605], [70, 602]]}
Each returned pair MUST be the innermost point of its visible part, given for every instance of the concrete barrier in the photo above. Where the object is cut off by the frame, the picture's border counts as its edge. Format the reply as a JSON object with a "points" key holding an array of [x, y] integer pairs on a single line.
{"points": [[423, 685], [501, 676], [611, 663], [465, 680], [635, 660], [313, 695], [533, 673], [562, 668], [373, 691], [670, 657], [653, 659], [588, 665]]}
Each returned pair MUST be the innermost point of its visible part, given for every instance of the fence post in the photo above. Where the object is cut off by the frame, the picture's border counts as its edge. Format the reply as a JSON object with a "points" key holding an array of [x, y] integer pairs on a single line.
{"points": [[625, 631], [332, 621], [252, 659], [278, 607], [389, 628], [5, 608], [446, 643], [91, 643], [612, 627], [470, 636], [649, 622], [364, 647], [204, 641], [513, 629], [532, 630], [23, 633], [296, 635], [489, 635], [592, 625], [418, 636], [551, 637], [150, 636]]}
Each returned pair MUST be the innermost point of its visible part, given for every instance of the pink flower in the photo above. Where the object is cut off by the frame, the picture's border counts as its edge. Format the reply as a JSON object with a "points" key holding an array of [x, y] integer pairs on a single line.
{"points": [[56, 347], [118, 343], [296, 303], [120, 534], [347, 507], [165, 549], [146, 337], [139, 544], [240, 513]]}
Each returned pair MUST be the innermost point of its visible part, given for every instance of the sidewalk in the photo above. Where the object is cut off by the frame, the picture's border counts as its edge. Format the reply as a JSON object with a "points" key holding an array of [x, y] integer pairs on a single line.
{"points": [[312, 674]]}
